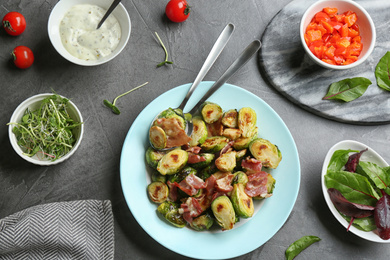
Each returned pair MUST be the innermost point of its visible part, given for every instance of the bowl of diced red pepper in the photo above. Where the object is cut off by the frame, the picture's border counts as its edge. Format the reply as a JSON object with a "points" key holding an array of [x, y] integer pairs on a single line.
{"points": [[337, 34]]}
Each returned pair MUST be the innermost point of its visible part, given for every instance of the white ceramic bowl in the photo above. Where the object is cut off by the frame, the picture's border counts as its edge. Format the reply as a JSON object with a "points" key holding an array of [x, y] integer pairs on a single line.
{"points": [[63, 6], [34, 103], [369, 156], [366, 26]]}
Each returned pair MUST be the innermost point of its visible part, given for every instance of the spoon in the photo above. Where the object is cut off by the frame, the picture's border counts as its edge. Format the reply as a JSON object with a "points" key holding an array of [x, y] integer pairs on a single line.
{"points": [[241, 60], [109, 11]]}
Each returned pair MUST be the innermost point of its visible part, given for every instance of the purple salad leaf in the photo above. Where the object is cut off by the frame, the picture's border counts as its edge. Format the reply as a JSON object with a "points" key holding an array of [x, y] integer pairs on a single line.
{"points": [[382, 216], [353, 161], [353, 210], [348, 89]]}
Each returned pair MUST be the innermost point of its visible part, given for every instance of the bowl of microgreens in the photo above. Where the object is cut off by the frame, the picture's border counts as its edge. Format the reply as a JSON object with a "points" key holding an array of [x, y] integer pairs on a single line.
{"points": [[46, 129]]}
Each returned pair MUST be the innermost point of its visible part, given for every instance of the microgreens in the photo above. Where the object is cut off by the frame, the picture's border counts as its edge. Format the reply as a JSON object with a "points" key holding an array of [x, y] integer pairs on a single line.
{"points": [[114, 108], [166, 52]]}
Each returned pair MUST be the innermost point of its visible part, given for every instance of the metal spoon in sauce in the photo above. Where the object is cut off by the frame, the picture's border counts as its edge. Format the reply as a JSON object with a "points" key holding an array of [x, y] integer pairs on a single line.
{"points": [[242, 59], [109, 11]]}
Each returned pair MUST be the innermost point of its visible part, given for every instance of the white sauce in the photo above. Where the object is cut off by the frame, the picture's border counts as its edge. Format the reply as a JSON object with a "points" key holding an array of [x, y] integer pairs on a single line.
{"points": [[80, 37]]}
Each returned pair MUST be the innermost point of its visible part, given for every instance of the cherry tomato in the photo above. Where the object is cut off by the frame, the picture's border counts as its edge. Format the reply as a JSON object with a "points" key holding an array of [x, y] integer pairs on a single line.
{"points": [[14, 23], [23, 57], [177, 10]]}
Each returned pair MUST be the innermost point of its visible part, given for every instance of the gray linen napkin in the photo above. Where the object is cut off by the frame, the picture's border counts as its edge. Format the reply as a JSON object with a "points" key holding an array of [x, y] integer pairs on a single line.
{"points": [[81, 229]]}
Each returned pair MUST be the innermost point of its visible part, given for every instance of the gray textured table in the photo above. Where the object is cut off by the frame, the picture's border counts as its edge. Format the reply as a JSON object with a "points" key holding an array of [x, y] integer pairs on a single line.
{"points": [[93, 172]]}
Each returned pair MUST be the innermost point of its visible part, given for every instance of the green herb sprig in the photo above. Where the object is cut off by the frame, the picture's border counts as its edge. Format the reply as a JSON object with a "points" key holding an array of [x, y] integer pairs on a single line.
{"points": [[47, 131], [166, 52], [114, 108]]}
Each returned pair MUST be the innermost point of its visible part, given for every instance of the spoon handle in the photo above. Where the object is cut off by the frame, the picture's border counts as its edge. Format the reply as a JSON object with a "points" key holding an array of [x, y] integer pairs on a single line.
{"points": [[219, 45], [109, 11], [242, 59]]}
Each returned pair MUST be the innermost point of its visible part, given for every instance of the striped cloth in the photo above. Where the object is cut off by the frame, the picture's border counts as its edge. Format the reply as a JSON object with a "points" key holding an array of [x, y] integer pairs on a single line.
{"points": [[81, 229]]}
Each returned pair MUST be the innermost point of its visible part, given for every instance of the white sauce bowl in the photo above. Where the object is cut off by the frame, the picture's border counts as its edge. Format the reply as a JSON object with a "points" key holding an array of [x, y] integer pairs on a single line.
{"points": [[63, 6]]}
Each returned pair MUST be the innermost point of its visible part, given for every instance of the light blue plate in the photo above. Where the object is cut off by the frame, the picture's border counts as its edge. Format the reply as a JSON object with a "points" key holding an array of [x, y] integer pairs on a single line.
{"points": [[248, 234]]}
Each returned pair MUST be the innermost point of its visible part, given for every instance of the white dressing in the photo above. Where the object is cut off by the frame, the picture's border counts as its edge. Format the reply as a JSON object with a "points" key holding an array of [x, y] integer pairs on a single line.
{"points": [[80, 37]]}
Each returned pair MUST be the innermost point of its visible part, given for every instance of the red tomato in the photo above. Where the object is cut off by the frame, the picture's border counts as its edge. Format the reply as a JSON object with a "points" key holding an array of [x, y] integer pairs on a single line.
{"points": [[23, 57], [177, 10], [14, 23]]}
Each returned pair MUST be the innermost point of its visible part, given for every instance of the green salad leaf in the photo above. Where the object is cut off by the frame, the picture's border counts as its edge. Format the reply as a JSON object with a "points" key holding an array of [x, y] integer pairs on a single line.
{"points": [[348, 89], [339, 159], [354, 187], [298, 246], [382, 72]]}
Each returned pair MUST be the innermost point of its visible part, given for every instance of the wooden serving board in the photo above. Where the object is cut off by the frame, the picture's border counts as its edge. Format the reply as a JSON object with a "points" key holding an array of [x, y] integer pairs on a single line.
{"points": [[289, 69]]}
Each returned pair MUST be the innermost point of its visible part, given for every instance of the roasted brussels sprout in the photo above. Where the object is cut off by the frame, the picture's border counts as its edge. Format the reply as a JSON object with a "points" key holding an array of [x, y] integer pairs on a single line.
{"points": [[243, 142], [226, 162], [214, 144], [211, 112], [270, 188], [232, 133], [199, 132], [207, 172], [266, 152], [247, 121], [202, 223], [230, 118], [240, 177], [156, 176], [158, 192], [157, 137], [153, 157], [182, 174], [224, 212], [200, 165], [172, 162], [242, 203], [169, 210]]}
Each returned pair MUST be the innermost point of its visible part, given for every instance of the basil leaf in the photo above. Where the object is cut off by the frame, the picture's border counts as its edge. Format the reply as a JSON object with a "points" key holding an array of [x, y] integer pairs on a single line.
{"points": [[382, 72], [348, 89], [339, 159], [354, 187], [298, 246]]}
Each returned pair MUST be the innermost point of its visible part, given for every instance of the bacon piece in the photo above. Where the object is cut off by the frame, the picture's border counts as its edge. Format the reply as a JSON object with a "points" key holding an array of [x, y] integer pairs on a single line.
{"points": [[195, 158], [210, 185], [257, 185], [191, 209], [224, 184], [251, 165], [193, 149], [191, 184], [227, 148], [176, 136], [173, 195]]}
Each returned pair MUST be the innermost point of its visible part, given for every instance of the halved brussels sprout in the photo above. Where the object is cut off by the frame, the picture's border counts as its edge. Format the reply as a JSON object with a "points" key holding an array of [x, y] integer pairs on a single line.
{"points": [[211, 112], [247, 121], [200, 165], [230, 118], [156, 176], [172, 162], [202, 223], [270, 188], [226, 162], [266, 152], [240, 177], [224, 212], [243, 142], [169, 210], [157, 137], [232, 133], [242, 203], [199, 132], [207, 172], [153, 157], [158, 192], [214, 144], [182, 174]]}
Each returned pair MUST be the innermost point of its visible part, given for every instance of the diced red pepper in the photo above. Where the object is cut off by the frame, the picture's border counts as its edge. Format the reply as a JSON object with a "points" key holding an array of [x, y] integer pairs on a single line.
{"points": [[321, 16], [330, 11], [350, 19]]}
